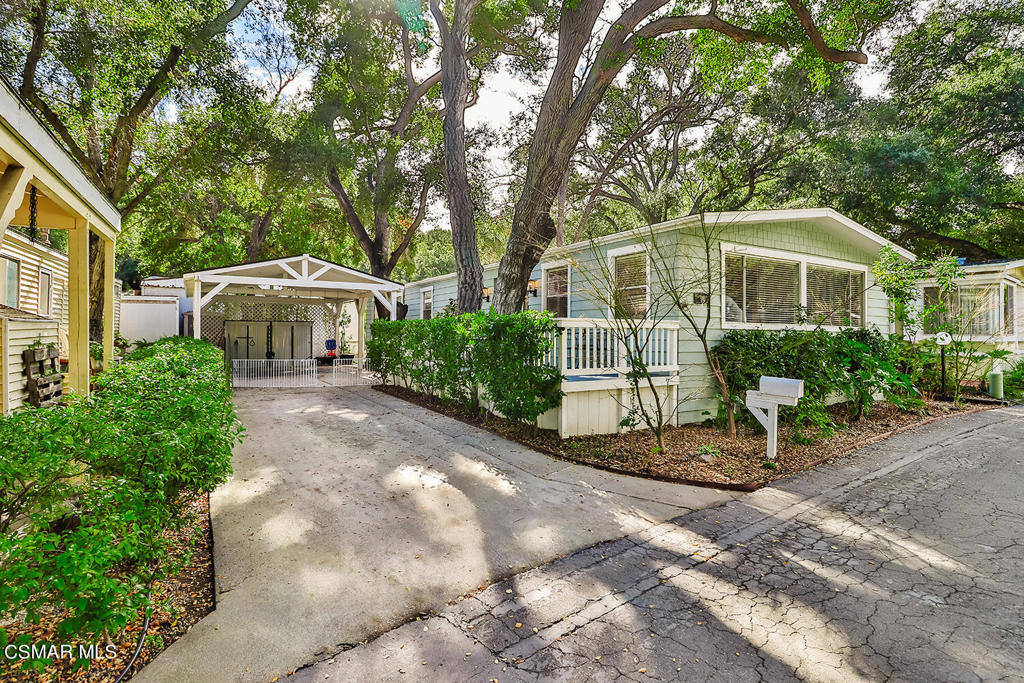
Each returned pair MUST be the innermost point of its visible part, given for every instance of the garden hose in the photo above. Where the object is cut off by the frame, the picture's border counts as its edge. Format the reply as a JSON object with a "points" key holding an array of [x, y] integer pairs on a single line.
{"points": [[142, 640]]}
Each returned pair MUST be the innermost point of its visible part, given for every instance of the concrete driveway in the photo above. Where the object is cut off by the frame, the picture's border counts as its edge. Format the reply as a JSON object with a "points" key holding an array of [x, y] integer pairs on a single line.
{"points": [[350, 512], [904, 563]]}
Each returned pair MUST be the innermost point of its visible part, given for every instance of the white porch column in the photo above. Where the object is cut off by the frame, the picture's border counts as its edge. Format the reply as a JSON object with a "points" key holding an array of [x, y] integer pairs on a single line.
{"points": [[108, 301], [361, 328], [78, 313], [197, 308]]}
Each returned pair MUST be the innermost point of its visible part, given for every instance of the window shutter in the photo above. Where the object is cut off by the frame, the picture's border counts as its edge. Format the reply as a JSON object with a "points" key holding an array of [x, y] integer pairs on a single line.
{"points": [[631, 284], [556, 291], [835, 296]]}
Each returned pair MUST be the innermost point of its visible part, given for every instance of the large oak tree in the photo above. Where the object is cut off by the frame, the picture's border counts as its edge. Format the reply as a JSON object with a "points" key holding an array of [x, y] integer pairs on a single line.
{"points": [[593, 45], [101, 75]]}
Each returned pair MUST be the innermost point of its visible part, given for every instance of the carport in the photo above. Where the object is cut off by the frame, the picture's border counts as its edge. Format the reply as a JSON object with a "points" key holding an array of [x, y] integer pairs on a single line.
{"points": [[273, 318]]}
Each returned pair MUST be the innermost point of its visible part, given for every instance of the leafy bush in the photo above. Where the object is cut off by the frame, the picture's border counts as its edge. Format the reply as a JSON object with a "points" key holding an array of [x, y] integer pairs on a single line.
{"points": [[1013, 380], [449, 355], [87, 490], [857, 364]]}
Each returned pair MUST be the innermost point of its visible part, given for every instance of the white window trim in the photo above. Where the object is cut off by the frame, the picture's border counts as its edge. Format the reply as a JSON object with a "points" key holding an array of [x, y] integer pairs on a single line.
{"points": [[554, 265], [803, 260], [426, 290], [17, 262], [624, 251], [49, 307], [1012, 334]]}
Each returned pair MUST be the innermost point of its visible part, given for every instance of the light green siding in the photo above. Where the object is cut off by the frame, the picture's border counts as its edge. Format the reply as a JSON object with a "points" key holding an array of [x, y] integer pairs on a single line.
{"points": [[677, 259]]}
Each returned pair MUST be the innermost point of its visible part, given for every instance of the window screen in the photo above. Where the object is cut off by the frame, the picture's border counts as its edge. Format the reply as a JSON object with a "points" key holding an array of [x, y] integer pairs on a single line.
{"points": [[761, 290], [835, 296], [631, 285], [556, 291], [426, 303], [9, 282]]}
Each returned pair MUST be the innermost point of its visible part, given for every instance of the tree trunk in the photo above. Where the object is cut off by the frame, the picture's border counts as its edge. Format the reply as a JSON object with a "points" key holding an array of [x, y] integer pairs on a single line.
{"points": [[257, 235], [563, 190], [455, 91], [96, 297]]}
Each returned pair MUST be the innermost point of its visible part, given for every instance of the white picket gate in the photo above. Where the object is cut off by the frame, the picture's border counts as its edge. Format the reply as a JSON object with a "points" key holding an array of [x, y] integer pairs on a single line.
{"points": [[273, 373], [350, 372]]}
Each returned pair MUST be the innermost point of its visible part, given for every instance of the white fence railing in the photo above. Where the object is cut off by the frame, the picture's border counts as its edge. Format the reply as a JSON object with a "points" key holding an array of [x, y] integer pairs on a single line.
{"points": [[349, 372], [274, 372], [589, 346]]}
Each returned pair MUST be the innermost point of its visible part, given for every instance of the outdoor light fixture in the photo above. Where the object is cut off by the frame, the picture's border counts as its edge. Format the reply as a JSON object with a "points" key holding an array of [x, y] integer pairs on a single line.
{"points": [[487, 294], [533, 287]]}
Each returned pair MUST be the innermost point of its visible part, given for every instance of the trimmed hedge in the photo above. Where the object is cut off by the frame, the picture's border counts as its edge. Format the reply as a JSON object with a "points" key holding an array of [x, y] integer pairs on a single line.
{"points": [[449, 355], [88, 489], [857, 364]]}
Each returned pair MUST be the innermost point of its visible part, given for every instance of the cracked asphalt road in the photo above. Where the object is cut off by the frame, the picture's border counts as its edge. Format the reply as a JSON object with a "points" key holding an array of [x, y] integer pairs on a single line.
{"points": [[903, 562]]}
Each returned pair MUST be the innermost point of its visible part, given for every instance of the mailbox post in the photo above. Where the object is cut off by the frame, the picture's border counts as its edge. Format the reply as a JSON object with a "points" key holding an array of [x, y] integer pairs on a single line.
{"points": [[764, 405]]}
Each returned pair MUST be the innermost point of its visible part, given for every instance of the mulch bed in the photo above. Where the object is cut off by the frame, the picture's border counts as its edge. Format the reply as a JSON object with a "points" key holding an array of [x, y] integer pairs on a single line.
{"points": [[736, 463], [179, 602]]}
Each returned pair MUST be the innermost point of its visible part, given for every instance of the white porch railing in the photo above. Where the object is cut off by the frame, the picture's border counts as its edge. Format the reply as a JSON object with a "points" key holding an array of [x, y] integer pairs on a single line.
{"points": [[350, 372], [273, 372], [592, 346]]}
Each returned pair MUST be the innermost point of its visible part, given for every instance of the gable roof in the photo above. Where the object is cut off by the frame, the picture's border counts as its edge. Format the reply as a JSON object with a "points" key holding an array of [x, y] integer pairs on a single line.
{"points": [[829, 219], [275, 268]]}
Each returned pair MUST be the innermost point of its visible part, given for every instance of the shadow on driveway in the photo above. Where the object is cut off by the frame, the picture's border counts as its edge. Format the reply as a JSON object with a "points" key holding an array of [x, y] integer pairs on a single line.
{"points": [[351, 511]]}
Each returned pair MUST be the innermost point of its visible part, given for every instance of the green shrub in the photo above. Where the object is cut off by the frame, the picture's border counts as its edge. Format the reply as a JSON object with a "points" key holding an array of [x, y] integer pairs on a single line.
{"points": [[449, 355], [1013, 381], [103, 478], [857, 364]]}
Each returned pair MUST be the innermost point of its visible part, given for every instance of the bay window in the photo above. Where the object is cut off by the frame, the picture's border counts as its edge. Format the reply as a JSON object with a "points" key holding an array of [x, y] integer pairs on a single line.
{"points": [[973, 311]]}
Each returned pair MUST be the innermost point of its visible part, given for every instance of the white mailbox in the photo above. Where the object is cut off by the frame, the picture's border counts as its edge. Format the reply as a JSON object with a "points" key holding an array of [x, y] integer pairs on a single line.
{"points": [[764, 405]]}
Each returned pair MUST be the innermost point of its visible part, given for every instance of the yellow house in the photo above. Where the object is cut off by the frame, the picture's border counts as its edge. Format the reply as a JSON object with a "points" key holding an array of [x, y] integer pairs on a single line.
{"points": [[988, 303], [42, 187]]}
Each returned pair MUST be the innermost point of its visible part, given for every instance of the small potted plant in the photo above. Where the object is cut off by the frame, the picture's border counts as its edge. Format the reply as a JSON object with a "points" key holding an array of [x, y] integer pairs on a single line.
{"points": [[95, 356]]}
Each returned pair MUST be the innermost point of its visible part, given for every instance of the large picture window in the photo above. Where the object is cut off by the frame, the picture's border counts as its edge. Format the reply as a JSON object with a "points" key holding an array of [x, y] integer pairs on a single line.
{"points": [[631, 285], [761, 290], [973, 311], [835, 296], [9, 279], [556, 291]]}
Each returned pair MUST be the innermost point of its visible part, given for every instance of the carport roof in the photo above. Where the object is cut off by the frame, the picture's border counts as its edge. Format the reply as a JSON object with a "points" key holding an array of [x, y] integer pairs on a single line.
{"points": [[292, 277]]}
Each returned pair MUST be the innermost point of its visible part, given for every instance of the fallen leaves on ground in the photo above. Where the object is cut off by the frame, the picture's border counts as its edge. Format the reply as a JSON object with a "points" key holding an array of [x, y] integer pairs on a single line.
{"points": [[740, 460], [181, 602]]}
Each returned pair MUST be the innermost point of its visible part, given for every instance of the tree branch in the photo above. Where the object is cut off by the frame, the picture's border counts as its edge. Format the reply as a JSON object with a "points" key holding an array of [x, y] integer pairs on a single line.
{"points": [[410, 232], [811, 29]]}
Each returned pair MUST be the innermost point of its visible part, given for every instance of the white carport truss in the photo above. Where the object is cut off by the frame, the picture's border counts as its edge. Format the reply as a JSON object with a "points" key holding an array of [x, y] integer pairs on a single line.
{"points": [[301, 280]]}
